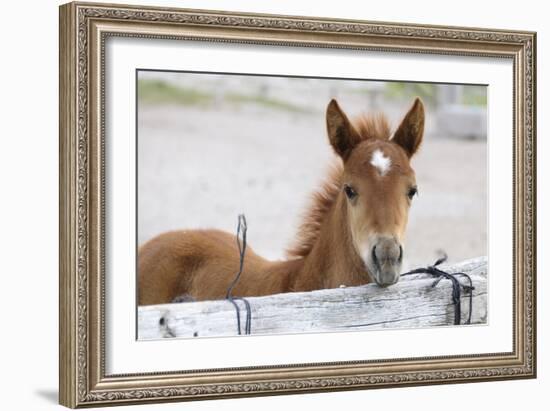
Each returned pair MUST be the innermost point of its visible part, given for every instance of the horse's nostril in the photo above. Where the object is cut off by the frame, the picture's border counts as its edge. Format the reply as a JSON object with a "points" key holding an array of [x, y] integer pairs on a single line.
{"points": [[400, 253], [374, 258]]}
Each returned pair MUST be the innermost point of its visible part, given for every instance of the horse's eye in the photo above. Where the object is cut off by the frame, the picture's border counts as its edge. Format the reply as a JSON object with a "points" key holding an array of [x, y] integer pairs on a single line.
{"points": [[412, 192], [350, 192]]}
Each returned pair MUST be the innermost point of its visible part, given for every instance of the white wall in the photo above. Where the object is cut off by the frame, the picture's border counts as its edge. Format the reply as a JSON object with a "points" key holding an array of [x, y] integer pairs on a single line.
{"points": [[28, 221]]}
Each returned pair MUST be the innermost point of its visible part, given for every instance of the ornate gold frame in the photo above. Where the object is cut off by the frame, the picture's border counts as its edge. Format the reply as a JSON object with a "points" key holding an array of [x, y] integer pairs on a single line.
{"points": [[83, 30]]}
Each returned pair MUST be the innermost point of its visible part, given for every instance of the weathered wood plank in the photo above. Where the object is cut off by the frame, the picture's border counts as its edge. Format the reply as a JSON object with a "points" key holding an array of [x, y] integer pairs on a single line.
{"points": [[412, 302]]}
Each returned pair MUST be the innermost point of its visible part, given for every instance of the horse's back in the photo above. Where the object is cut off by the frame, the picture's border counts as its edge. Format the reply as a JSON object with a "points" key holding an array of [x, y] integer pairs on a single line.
{"points": [[200, 263]]}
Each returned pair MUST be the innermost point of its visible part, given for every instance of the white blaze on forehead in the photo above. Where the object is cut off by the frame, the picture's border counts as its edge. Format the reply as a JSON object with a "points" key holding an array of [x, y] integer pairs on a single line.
{"points": [[381, 162]]}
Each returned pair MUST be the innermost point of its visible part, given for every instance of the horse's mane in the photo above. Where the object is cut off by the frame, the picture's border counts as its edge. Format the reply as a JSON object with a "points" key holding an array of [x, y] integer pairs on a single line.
{"points": [[368, 127]]}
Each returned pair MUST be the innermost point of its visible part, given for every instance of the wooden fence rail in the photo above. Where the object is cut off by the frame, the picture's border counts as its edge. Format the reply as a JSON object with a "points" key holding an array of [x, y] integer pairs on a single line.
{"points": [[412, 302]]}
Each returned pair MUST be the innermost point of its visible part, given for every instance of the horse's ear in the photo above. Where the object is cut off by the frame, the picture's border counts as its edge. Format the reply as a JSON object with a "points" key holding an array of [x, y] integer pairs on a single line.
{"points": [[411, 130], [341, 133]]}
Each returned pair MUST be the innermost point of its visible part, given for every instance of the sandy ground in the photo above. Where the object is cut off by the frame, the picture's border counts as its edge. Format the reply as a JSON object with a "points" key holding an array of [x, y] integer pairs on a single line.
{"points": [[202, 167]]}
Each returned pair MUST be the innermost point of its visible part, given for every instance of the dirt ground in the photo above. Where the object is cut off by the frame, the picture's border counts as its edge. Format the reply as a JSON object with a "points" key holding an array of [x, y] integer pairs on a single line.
{"points": [[201, 167]]}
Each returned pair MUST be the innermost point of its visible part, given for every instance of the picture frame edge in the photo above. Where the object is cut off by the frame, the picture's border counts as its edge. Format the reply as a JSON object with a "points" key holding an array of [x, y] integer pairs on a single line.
{"points": [[81, 368]]}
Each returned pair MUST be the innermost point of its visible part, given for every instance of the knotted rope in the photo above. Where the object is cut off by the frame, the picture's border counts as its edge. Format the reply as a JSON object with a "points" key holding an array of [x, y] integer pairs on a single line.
{"points": [[457, 286]]}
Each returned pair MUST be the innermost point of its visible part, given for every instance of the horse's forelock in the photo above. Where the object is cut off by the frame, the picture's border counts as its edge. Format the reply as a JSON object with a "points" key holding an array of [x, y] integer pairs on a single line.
{"points": [[374, 126]]}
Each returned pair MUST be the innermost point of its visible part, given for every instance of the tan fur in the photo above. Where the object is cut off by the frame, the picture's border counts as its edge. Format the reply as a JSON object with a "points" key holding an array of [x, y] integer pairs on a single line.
{"points": [[202, 263]]}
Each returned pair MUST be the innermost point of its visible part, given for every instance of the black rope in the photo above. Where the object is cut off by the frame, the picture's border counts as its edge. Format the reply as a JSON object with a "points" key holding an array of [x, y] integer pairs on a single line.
{"points": [[241, 244], [457, 286]]}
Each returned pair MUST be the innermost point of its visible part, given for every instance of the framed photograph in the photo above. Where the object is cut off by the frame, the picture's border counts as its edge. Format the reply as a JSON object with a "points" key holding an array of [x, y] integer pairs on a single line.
{"points": [[259, 204]]}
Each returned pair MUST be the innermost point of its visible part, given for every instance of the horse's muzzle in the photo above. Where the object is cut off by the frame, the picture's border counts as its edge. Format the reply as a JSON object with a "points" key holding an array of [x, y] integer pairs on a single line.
{"points": [[385, 261]]}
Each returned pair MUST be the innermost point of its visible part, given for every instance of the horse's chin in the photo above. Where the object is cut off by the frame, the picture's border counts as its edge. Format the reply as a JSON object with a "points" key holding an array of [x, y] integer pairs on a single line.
{"points": [[386, 277], [387, 283]]}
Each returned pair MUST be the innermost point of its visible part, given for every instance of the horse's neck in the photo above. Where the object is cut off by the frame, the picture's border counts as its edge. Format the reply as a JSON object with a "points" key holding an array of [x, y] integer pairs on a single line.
{"points": [[332, 261]]}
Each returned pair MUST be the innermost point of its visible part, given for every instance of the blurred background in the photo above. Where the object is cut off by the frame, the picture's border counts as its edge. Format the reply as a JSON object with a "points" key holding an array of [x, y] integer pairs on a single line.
{"points": [[213, 146]]}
